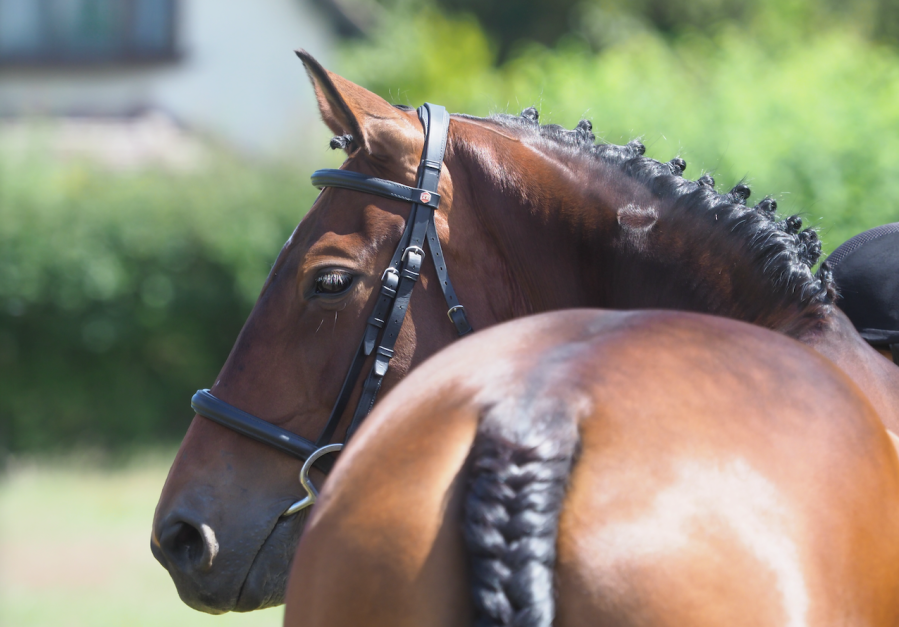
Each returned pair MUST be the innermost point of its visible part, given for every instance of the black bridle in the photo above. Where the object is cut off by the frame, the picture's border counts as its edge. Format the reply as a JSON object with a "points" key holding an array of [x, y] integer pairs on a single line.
{"points": [[383, 327]]}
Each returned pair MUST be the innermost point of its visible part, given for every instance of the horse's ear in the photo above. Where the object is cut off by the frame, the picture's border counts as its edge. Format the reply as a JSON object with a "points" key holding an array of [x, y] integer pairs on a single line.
{"points": [[376, 126]]}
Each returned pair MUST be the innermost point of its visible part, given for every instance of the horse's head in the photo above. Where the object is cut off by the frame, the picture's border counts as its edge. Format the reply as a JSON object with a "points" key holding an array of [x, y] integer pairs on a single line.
{"points": [[219, 528]]}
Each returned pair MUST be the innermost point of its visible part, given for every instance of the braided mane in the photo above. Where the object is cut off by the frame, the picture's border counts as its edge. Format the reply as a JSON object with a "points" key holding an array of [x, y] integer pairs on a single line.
{"points": [[785, 251], [779, 248]]}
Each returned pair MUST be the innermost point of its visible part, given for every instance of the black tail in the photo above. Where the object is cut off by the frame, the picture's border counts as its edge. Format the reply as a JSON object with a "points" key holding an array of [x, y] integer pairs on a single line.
{"points": [[520, 463]]}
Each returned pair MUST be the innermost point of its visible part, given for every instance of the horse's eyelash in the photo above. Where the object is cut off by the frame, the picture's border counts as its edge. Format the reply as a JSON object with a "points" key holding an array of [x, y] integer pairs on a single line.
{"points": [[332, 279]]}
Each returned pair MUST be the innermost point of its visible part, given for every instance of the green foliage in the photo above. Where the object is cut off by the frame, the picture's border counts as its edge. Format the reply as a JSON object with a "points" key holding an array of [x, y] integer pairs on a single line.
{"points": [[120, 294], [604, 22], [74, 537], [808, 117]]}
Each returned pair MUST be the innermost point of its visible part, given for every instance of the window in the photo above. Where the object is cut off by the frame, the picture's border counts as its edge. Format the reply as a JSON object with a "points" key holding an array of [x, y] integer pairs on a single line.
{"points": [[83, 32]]}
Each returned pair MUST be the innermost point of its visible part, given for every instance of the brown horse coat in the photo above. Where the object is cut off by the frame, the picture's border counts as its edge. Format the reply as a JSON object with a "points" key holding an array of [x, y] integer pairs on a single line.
{"points": [[532, 218], [725, 476]]}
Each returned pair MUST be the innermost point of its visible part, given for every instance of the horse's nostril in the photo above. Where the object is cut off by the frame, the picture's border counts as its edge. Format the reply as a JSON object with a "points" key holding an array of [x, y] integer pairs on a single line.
{"points": [[189, 547], [188, 542]]}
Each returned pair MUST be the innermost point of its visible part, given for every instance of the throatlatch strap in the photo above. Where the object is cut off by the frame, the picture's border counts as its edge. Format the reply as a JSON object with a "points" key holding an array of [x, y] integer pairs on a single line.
{"points": [[432, 162], [454, 310]]}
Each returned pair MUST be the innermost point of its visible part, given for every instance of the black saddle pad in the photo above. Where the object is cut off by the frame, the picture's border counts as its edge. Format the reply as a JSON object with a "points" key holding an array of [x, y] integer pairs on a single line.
{"points": [[866, 271]]}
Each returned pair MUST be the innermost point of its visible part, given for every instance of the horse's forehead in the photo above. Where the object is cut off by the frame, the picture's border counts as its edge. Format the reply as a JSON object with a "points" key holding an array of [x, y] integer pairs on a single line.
{"points": [[346, 223], [335, 246]]}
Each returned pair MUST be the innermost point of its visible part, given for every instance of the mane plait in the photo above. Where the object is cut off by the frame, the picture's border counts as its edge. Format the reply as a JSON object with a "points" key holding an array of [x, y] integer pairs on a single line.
{"points": [[785, 251]]}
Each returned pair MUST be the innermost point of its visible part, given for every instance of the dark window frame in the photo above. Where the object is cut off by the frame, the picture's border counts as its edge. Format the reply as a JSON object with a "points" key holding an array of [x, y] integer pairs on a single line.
{"points": [[55, 53]]}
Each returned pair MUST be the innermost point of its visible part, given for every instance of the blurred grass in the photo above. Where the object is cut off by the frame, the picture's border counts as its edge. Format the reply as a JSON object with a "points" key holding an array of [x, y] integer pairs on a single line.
{"points": [[75, 547]]}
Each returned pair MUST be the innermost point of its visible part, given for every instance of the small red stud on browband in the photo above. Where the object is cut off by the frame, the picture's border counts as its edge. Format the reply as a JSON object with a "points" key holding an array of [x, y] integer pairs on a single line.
{"points": [[425, 197]]}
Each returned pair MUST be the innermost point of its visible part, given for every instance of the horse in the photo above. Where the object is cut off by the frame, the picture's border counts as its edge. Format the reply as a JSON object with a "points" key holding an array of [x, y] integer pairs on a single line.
{"points": [[529, 218], [629, 458]]}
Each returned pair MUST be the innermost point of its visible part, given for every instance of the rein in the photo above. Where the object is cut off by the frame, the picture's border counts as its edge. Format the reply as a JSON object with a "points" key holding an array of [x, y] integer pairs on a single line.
{"points": [[386, 320]]}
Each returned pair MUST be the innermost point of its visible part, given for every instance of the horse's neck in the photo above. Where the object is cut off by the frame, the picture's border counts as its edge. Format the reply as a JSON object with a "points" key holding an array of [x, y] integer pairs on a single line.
{"points": [[595, 238], [878, 378], [575, 235]]}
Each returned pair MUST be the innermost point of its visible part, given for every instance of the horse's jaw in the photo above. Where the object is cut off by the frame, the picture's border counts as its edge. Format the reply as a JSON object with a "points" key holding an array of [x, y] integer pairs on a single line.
{"points": [[266, 581]]}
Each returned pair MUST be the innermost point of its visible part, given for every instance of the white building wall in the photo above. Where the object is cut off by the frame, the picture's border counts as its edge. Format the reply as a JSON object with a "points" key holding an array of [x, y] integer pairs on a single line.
{"points": [[237, 78]]}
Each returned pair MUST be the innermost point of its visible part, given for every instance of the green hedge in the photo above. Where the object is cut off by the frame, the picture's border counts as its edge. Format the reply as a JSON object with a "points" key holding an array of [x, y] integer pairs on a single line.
{"points": [[809, 115], [121, 294]]}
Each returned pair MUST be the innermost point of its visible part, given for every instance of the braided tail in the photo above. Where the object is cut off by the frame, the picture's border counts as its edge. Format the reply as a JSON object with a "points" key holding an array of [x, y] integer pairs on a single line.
{"points": [[520, 463]]}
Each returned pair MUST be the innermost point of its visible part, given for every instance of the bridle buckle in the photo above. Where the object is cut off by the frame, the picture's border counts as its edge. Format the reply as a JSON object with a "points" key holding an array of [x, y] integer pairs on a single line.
{"points": [[413, 249], [452, 310]]}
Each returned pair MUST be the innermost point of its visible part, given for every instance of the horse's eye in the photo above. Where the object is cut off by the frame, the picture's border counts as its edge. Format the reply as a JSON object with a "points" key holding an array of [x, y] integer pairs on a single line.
{"points": [[333, 282]]}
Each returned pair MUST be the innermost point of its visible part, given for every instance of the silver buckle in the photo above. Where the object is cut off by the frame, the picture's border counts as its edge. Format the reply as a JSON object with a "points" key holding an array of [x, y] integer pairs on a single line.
{"points": [[412, 249], [451, 310], [311, 492], [389, 269]]}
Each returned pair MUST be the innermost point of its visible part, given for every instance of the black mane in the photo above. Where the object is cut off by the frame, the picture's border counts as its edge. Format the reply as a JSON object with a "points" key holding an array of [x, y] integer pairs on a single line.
{"points": [[780, 247], [785, 252]]}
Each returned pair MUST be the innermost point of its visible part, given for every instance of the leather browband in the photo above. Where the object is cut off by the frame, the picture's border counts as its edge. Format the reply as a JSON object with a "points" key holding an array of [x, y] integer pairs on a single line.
{"points": [[371, 185]]}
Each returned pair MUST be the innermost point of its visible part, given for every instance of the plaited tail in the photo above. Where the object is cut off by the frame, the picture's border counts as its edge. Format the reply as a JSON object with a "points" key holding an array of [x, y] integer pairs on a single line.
{"points": [[520, 465]]}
